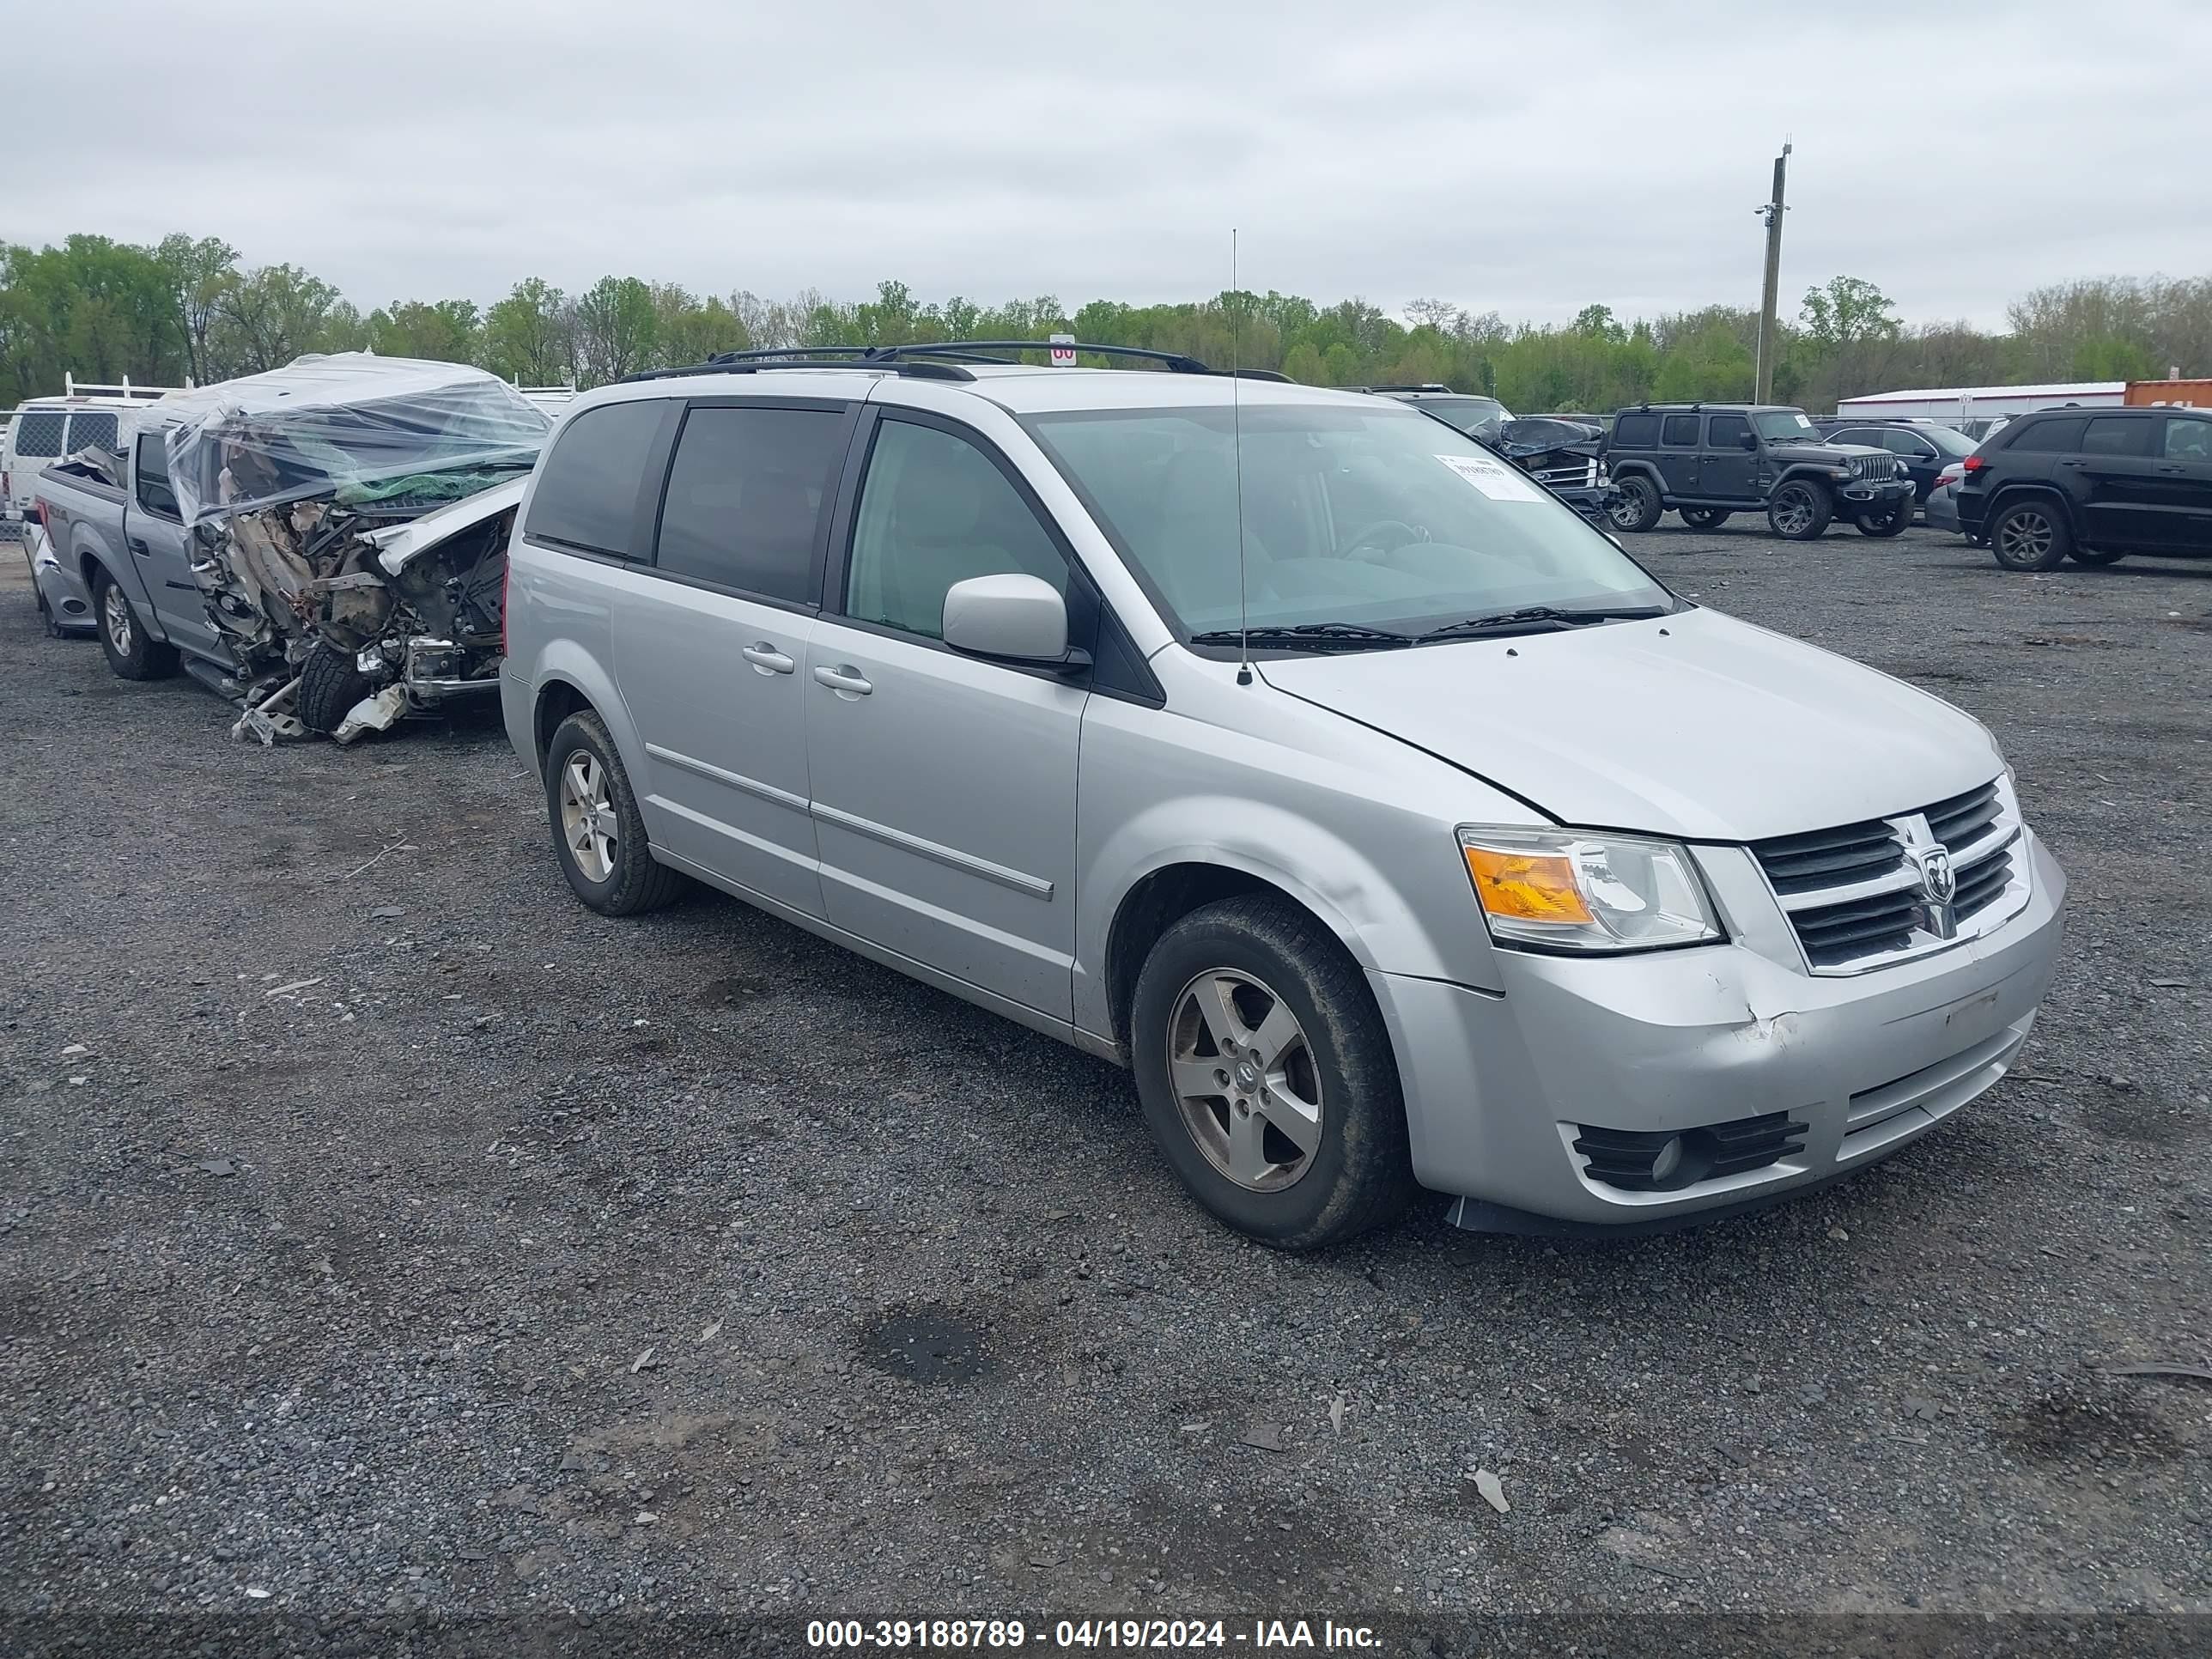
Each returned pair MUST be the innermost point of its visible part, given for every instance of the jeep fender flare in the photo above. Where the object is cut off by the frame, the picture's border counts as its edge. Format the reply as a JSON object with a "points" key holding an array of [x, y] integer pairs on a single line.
{"points": [[1818, 473], [1636, 469]]}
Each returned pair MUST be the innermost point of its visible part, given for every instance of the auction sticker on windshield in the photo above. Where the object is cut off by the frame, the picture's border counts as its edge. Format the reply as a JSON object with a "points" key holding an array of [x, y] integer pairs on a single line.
{"points": [[1493, 478]]}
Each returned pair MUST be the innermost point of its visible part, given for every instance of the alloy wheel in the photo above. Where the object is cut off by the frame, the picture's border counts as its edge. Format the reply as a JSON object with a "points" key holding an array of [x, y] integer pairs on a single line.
{"points": [[1626, 506], [1245, 1079], [2025, 538], [587, 815], [1792, 511], [115, 614]]}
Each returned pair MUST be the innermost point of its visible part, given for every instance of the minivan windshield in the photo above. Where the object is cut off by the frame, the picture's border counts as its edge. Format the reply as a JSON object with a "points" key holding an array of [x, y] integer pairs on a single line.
{"points": [[1470, 415], [1376, 517]]}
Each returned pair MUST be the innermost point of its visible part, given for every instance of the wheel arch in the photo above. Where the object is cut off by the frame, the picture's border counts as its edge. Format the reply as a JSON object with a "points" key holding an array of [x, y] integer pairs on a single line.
{"points": [[566, 680], [2008, 495], [1163, 895]]}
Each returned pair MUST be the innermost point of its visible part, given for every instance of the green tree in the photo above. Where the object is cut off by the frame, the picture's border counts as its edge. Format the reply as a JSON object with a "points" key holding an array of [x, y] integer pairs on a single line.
{"points": [[530, 337], [262, 320], [1846, 325], [614, 330], [443, 330], [197, 272]]}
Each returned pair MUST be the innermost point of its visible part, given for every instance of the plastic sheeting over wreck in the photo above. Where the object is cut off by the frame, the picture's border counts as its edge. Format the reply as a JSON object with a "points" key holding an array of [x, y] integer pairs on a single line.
{"points": [[360, 430]]}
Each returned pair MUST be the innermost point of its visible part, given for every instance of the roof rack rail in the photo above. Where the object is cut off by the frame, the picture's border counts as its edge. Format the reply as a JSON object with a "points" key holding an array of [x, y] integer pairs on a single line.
{"points": [[937, 360], [1410, 385]]}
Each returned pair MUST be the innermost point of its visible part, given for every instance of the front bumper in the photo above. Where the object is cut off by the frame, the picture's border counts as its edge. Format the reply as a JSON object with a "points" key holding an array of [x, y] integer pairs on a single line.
{"points": [[1499, 1085], [1591, 501], [1867, 492]]}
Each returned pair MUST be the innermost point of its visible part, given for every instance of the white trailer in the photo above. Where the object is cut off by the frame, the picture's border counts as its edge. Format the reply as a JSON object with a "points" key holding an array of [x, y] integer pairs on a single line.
{"points": [[1971, 403]]}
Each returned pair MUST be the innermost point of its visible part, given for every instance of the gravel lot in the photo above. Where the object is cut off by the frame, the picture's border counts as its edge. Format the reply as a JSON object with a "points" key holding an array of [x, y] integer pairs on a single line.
{"points": [[381, 1232]]}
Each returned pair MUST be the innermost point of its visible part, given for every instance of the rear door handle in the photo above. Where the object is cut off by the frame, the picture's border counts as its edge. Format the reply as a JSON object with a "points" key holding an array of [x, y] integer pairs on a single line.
{"points": [[843, 677], [767, 659], [2172, 468], [140, 548]]}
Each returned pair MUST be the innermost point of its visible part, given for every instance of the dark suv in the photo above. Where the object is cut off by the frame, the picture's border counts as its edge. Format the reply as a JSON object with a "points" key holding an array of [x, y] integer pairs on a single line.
{"points": [[1707, 460], [1924, 448], [2092, 485], [1563, 453]]}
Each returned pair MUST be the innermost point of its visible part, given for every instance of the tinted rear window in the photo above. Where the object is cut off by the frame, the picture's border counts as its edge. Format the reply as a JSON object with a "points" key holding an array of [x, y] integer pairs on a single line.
{"points": [[2043, 437], [1636, 432], [1682, 430], [92, 429], [2122, 435], [745, 497], [586, 497], [40, 432]]}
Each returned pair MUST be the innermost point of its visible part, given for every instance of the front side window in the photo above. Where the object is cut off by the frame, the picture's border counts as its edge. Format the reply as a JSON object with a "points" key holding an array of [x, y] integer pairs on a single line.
{"points": [[935, 510], [1899, 441], [1373, 516], [2187, 440], [1727, 431], [745, 496], [586, 496], [156, 495]]}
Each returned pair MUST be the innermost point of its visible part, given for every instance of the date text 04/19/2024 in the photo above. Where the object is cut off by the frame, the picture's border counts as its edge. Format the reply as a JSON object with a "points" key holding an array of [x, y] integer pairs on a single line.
{"points": [[985, 1634]]}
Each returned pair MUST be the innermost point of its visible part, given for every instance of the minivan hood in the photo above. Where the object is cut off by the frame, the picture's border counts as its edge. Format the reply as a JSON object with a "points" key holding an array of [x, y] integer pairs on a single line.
{"points": [[1695, 725]]}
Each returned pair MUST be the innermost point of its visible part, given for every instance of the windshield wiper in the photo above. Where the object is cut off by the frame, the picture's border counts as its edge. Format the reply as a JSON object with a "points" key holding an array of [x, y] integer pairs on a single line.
{"points": [[1309, 634], [1535, 618]]}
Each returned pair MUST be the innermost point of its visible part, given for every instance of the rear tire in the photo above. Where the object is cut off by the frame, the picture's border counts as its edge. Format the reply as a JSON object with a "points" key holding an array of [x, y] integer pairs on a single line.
{"points": [[1704, 518], [1307, 1033], [2030, 536], [1636, 504], [1799, 511], [123, 638], [1889, 523], [598, 834], [2096, 554], [329, 685]]}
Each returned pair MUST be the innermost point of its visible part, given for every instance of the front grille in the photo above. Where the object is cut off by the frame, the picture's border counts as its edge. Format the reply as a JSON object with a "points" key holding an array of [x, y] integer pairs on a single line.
{"points": [[1568, 472], [1876, 469], [1829, 858], [1856, 896], [1964, 819]]}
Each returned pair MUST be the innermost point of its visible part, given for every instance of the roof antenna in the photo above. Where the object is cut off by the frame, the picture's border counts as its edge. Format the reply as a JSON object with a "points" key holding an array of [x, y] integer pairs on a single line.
{"points": [[1237, 448]]}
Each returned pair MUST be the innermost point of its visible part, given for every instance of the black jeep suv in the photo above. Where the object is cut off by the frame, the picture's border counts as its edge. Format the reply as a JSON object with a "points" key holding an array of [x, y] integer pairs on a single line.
{"points": [[1707, 460], [2096, 485]]}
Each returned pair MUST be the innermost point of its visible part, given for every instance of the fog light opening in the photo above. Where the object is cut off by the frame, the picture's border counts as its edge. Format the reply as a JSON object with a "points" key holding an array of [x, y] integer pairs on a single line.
{"points": [[1667, 1161]]}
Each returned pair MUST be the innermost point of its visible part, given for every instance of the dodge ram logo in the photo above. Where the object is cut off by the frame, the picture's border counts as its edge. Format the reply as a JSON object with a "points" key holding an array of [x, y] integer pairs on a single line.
{"points": [[1939, 883]]}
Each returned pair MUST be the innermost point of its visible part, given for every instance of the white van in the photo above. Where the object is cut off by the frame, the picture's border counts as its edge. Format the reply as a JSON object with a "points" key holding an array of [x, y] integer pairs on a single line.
{"points": [[45, 429]]}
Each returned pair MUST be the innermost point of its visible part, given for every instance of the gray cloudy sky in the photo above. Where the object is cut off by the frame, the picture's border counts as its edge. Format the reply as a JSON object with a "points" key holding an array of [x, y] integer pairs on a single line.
{"points": [[1529, 158]]}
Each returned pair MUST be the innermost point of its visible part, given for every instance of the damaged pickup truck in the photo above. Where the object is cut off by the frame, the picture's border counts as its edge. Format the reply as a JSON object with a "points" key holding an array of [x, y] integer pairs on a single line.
{"points": [[326, 544]]}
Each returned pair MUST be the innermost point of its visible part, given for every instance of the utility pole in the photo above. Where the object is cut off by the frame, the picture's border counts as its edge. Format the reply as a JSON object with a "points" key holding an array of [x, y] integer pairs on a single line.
{"points": [[1763, 374]]}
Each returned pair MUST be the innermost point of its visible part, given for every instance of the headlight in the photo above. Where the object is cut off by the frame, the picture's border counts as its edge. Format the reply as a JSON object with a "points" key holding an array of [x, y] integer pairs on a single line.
{"points": [[1568, 889]]}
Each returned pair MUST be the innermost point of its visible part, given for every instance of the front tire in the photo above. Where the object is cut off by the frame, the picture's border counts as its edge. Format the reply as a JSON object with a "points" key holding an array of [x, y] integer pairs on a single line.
{"points": [[329, 685], [598, 834], [1635, 504], [1267, 1076], [124, 641], [1705, 517], [1799, 511], [2030, 536], [1891, 521], [2096, 554]]}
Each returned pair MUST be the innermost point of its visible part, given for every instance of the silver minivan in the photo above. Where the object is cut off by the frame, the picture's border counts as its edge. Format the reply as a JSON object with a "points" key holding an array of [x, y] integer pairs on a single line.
{"points": [[1391, 824]]}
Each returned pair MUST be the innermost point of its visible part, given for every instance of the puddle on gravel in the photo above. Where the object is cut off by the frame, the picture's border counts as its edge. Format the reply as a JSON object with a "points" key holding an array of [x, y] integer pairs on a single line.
{"points": [[925, 1348]]}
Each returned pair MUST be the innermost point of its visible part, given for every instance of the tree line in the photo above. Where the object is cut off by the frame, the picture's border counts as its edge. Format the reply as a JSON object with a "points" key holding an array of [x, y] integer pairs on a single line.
{"points": [[189, 307]]}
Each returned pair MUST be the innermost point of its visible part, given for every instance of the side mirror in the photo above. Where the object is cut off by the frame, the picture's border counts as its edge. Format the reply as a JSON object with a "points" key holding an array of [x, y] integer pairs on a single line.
{"points": [[1748, 439], [1010, 618]]}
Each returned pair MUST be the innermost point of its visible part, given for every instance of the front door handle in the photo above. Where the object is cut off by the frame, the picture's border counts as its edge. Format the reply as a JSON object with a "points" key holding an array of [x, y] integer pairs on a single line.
{"points": [[140, 548], [844, 678], [2173, 467], [767, 659]]}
